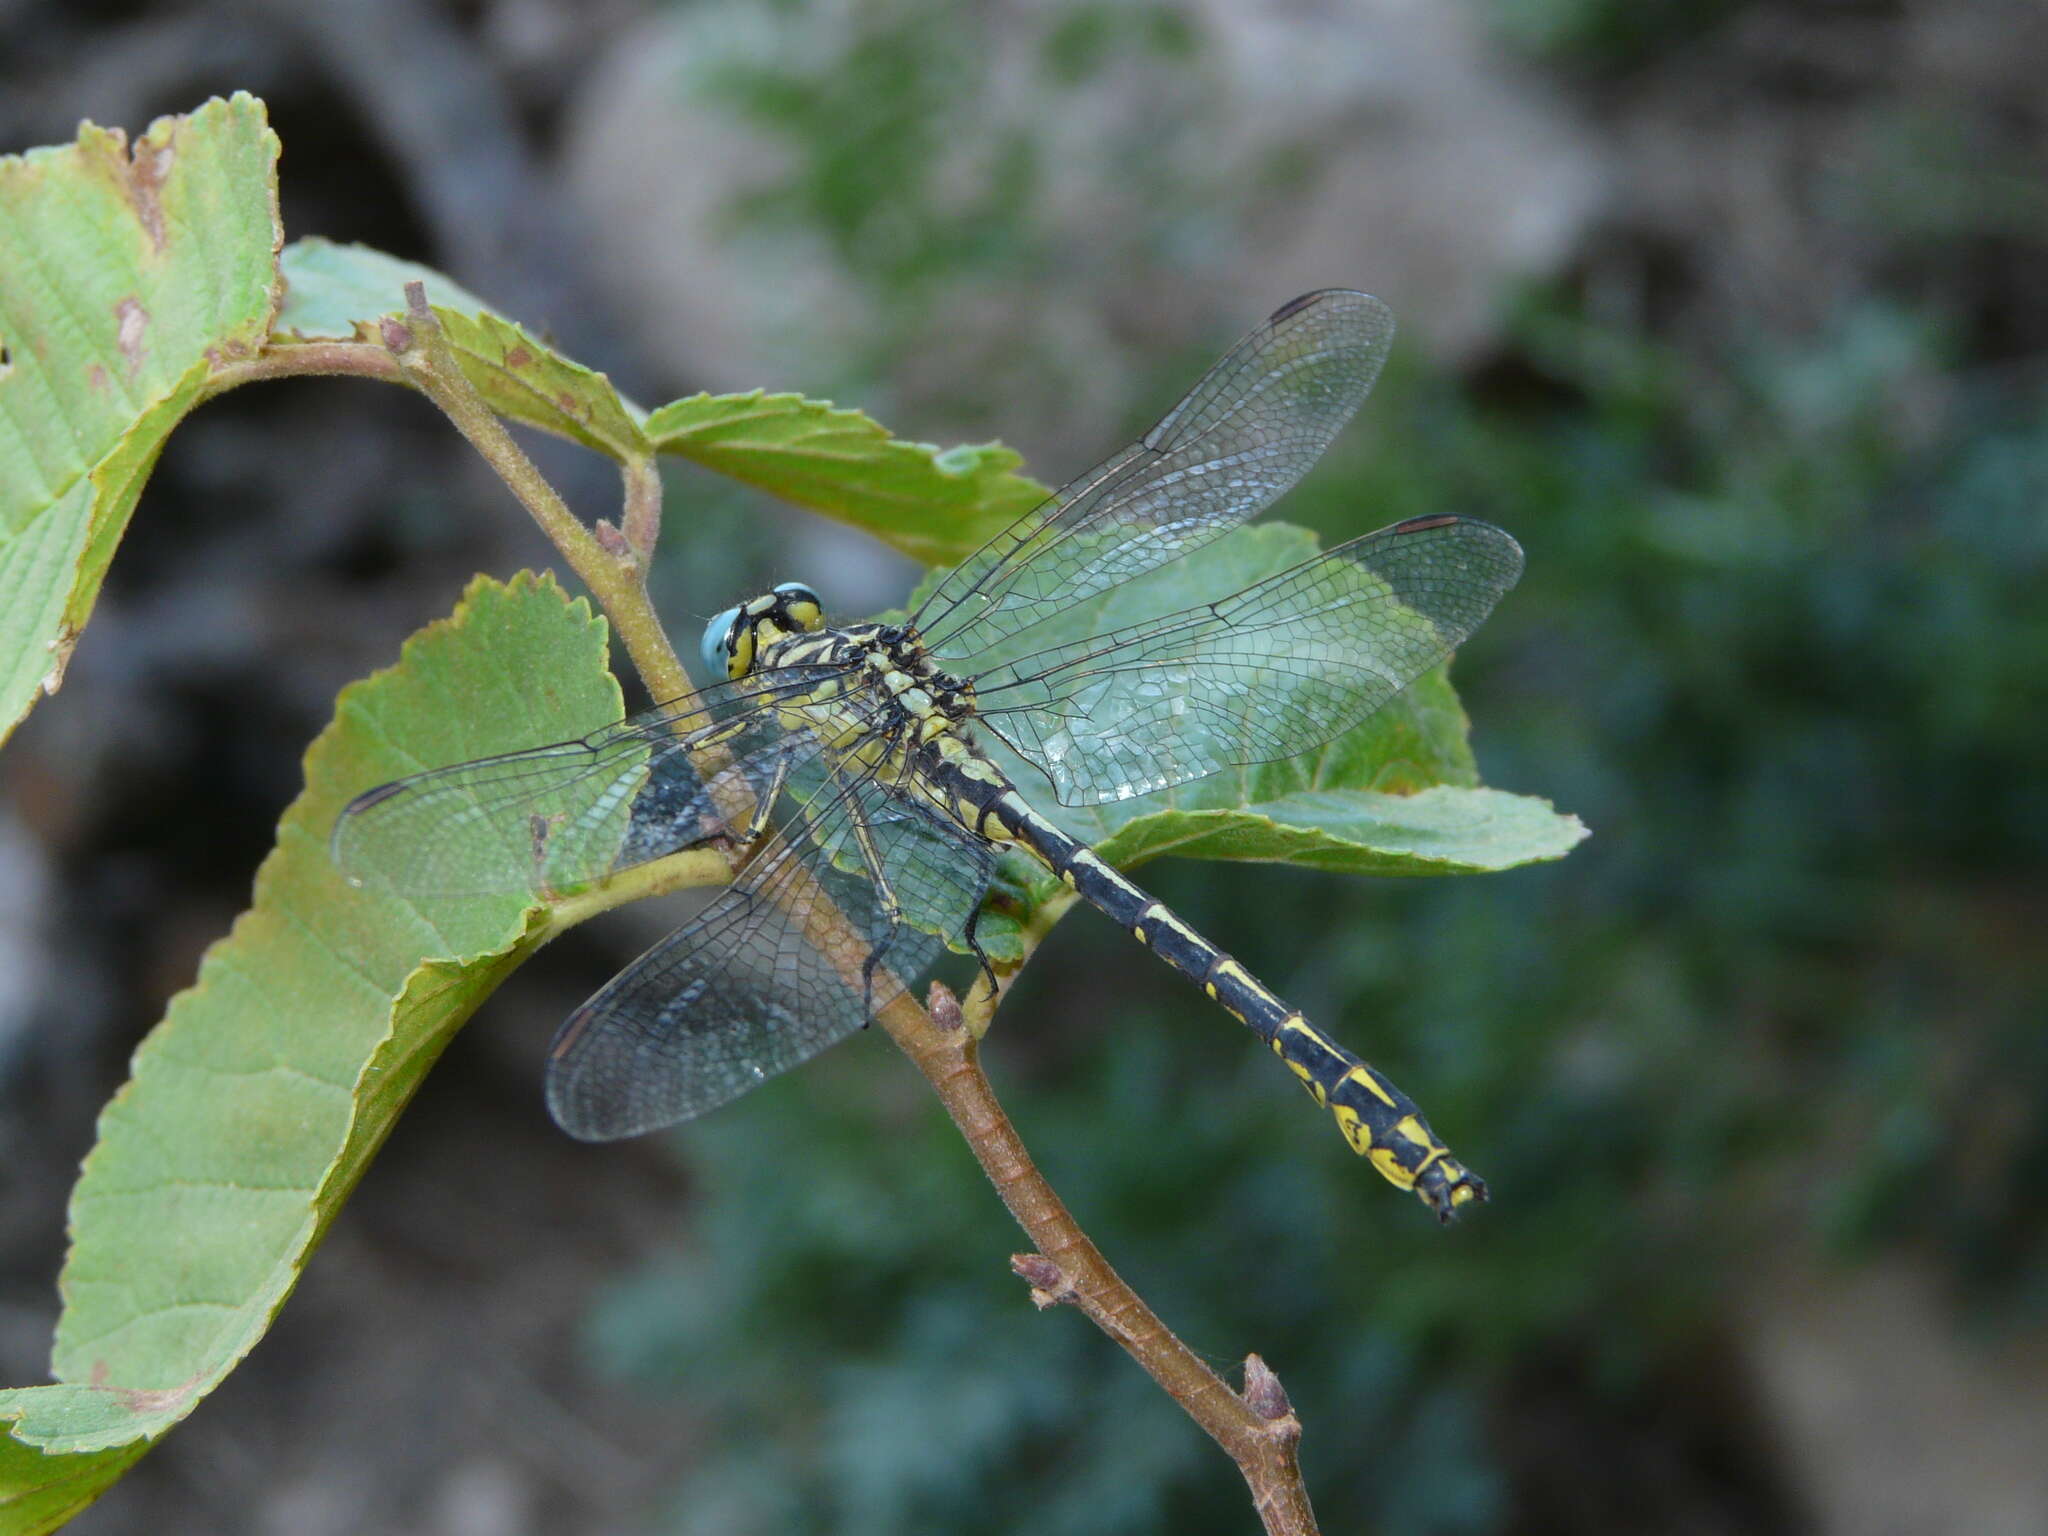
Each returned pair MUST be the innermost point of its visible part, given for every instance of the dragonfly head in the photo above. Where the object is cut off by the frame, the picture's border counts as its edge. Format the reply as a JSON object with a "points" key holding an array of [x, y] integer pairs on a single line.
{"points": [[733, 641]]}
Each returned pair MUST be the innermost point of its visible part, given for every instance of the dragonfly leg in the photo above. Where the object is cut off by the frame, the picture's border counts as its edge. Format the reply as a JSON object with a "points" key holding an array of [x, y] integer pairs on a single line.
{"points": [[974, 948], [764, 803], [888, 908]]}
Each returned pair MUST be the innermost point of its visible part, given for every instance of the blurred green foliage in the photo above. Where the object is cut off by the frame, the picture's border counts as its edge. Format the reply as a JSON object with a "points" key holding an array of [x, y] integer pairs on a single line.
{"points": [[874, 116], [1792, 592], [1605, 37], [868, 126]]}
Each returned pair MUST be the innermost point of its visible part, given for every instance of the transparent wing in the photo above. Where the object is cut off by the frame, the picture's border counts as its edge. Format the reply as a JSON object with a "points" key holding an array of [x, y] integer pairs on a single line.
{"points": [[1270, 672], [560, 816], [841, 909], [1247, 432]]}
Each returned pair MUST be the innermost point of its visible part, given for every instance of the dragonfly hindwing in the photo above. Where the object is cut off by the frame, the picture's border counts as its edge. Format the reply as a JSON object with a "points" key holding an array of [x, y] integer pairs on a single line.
{"points": [[835, 914]]}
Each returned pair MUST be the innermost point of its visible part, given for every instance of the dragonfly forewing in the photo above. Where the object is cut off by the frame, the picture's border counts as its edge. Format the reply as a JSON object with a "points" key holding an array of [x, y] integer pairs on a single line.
{"points": [[1243, 435], [556, 818]]}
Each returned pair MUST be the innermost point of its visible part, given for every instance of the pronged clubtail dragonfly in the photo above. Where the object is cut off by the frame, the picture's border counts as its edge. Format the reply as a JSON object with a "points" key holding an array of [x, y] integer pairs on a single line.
{"points": [[850, 761]]}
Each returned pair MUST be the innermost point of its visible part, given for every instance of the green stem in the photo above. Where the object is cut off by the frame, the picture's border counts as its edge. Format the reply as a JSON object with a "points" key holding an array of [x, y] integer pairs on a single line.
{"points": [[679, 871], [641, 520]]}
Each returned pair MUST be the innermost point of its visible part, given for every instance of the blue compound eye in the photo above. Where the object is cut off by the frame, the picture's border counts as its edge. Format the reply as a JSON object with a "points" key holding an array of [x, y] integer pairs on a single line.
{"points": [[713, 647]]}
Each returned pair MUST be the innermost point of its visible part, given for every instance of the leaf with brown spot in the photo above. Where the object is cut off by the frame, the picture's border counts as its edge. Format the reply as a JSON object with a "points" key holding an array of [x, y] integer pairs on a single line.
{"points": [[334, 292], [124, 276], [930, 503]]}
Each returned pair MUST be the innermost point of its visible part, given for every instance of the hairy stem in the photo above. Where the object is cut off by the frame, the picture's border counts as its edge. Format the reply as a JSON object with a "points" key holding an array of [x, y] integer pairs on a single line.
{"points": [[415, 351], [617, 578], [308, 359]]}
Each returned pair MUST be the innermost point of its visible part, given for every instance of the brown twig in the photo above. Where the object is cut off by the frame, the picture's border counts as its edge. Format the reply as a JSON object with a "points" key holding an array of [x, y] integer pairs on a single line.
{"points": [[1068, 1268]]}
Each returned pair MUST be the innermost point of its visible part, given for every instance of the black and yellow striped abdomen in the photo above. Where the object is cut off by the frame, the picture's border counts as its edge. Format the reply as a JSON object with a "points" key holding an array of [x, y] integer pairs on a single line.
{"points": [[1381, 1123]]}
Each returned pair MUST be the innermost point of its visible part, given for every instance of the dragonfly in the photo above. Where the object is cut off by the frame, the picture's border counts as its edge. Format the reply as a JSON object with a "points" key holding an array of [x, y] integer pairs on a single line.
{"points": [[866, 776]]}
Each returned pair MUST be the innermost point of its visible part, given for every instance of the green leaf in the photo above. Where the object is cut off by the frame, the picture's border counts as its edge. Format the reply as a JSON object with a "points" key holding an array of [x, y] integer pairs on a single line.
{"points": [[932, 504], [126, 280], [1398, 794], [337, 292], [1446, 830], [256, 1104], [341, 291], [40, 1493]]}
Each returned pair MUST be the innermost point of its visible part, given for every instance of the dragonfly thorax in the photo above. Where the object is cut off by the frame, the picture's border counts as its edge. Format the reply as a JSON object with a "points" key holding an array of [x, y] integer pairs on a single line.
{"points": [[898, 675]]}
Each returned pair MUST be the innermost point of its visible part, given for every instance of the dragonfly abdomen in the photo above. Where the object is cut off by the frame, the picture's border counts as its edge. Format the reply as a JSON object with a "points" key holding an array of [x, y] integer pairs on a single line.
{"points": [[1381, 1123]]}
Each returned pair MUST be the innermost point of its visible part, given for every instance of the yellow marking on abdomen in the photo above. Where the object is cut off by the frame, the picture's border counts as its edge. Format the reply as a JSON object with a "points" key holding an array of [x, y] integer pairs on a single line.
{"points": [[1389, 1166], [970, 766], [1363, 1074], [1232, 970], [1161, 915], [1228, 969], [1308, 1081], [1413, 1131], [1295, 1024]]}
